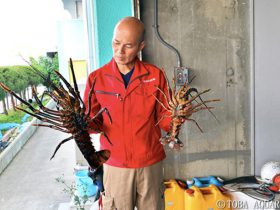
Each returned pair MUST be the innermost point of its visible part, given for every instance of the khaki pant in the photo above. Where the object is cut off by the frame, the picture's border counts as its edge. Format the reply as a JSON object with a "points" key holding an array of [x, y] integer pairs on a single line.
{"points": [[126, 188]]}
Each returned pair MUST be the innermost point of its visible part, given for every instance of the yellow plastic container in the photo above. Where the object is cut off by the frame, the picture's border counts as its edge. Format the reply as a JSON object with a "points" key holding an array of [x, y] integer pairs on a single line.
{"points": [[206, 198], [174, 195]]}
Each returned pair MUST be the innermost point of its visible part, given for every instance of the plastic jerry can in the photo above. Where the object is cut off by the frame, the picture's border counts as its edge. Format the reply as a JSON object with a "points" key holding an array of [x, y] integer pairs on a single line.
{"points": [[204, 181], [207, 198], [174, 195]]}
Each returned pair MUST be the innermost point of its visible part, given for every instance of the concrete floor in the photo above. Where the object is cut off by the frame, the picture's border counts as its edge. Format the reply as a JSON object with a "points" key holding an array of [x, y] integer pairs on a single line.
{"points": [[28, 183]]}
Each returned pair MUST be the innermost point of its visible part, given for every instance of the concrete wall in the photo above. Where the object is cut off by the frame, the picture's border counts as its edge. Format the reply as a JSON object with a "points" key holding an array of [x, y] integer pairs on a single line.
{"points": [[267, 74], [213, 38]]}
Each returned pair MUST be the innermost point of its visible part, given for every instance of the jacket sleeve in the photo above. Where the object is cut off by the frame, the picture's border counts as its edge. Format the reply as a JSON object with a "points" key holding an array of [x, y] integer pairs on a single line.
{"points": [[163, 115], [96, 126]]}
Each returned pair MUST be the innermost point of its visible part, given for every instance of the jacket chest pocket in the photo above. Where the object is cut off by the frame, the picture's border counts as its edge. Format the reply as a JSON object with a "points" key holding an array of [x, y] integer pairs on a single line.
{"points": [[110, 100], [146, 90], [144, 100]]}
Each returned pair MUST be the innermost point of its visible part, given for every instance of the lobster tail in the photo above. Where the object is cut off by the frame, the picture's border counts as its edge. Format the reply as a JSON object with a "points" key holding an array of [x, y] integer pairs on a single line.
{"points": [[102, 156], [98, 158], [93, 157]]}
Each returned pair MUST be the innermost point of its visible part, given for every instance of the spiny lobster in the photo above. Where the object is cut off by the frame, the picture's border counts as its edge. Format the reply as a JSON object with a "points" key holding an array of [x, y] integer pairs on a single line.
{"points": [[181, 105], [70, 116]]}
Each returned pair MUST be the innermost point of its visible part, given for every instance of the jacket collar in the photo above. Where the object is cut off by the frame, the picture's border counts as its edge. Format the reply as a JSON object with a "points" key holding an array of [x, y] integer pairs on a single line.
{"points": [[139, 69], [135, 80]]}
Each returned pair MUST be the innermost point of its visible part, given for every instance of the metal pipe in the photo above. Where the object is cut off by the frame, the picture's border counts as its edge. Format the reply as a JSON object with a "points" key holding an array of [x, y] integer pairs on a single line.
{"points": [[252, 87], [155, 26]]}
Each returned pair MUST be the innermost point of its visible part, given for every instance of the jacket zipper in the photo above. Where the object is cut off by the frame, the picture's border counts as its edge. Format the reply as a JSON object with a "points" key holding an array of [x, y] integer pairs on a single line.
{"points": [[108, 93]]}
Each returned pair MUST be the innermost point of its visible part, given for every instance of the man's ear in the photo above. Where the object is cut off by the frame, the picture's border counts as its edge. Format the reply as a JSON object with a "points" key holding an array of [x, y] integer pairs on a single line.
{"points": [[142, 45]]}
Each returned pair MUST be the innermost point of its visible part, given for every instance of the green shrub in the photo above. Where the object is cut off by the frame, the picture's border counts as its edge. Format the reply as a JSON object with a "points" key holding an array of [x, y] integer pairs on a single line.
{"points": [[16, 116], [47, 66]]}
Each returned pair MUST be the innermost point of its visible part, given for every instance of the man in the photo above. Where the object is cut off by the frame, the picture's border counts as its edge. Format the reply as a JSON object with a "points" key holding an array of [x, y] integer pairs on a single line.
{"points": [[126, 86]]}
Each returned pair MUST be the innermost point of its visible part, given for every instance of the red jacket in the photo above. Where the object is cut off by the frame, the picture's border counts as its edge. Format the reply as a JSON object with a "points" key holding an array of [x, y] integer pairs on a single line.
{"points": [[134, 113]]}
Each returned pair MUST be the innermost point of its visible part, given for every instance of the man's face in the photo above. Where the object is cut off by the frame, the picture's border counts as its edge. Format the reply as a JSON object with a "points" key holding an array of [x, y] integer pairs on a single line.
{"points": [[126, 45]]}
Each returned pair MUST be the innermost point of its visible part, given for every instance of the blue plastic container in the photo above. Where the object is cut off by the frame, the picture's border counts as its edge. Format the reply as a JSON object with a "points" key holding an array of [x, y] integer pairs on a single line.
{"points": [[205, 181], [84, 184]]}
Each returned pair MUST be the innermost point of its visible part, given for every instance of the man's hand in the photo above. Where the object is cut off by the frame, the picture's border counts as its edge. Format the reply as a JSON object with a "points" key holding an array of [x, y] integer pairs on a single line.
{"points": [[97, 177]]}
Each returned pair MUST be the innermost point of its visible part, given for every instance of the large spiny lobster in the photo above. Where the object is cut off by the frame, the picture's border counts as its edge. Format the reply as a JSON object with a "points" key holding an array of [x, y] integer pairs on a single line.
{"points": [[181, 105], [70, 116]]}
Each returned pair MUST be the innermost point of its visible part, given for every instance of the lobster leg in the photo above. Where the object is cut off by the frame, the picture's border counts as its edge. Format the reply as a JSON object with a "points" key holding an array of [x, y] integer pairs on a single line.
{"points": [[171, 103], [44, 78], [192, 120], [50, 95], [196, 96], [39, 117], [161, 103], [89, 99], [52, 126], [210, 110], [104, 109], [203, 103], [45, 109], [26, 103], [71, 90], [188, 93], [168, 85], [58, 146], [75, 83], [104, 134], [15, 95]]}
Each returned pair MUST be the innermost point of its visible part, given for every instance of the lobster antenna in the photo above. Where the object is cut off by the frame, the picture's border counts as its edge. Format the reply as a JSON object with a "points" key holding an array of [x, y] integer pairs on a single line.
{"points": [[75, 82], [73, 75], [37, 71]]}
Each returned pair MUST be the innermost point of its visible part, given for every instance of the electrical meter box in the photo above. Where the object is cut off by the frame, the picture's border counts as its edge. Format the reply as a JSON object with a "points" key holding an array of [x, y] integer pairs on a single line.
{"points": [[181, 75]]}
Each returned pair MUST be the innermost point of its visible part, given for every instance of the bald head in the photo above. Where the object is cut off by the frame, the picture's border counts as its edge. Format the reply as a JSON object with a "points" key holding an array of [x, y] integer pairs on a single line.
{"points": [[132, 24], [127, 42]]}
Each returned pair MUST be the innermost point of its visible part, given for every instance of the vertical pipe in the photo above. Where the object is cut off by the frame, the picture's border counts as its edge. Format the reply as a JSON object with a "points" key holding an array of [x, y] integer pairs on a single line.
{"points": [[252, 84], [155, 26]]}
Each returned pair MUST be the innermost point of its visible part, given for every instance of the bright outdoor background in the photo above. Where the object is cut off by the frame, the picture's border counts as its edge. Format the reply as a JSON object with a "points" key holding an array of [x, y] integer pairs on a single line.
{"points": [[28, 28]]}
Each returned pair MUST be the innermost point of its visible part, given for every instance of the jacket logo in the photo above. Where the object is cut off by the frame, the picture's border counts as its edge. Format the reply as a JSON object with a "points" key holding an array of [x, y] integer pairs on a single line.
{"points": [[149, 80]]}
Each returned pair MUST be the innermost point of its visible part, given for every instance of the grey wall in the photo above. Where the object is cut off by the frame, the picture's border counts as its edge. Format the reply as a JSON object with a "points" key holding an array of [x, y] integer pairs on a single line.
{"points": [[213, 38], [267, 74]]}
